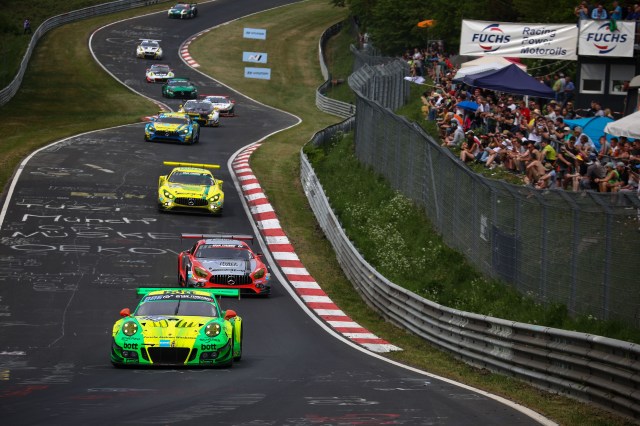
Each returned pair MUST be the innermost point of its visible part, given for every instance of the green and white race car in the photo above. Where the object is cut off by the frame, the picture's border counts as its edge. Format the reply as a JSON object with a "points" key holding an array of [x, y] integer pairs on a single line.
{"points": [[183, 10], [178, 327]]}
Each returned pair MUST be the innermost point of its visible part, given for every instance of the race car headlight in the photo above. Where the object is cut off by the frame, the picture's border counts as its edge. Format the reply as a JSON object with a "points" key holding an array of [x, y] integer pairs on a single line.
{"points": [[259, 273], [140, 49], [200, 272], [214, 198], [151, 128], [212, 329], [130, 328], [159, 52], [170, 74], [168, 194], [184, 131]]}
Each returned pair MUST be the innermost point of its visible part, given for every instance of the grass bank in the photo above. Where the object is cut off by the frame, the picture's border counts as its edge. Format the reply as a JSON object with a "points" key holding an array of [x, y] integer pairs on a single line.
{"points": [[58, 95]]}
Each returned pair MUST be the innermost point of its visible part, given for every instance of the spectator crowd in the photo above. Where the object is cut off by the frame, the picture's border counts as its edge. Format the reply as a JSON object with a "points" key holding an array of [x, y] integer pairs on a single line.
{"points": [[529, 137]]}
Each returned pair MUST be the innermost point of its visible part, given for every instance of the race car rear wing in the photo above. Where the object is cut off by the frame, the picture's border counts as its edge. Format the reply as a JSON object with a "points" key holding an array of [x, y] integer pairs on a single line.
{"points": [[202, 166], [222, 292], [219, 236], [219, 96], [149, 39]]}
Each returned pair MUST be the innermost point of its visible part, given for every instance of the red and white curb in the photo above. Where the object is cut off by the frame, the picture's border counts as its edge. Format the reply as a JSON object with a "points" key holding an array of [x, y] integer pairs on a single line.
{"points": [[184, 53], [284, 254]]}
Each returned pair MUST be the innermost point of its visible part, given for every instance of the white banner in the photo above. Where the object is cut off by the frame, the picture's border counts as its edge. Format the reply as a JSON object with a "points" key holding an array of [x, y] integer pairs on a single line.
{"points": [[543, 41], [597, 39]]}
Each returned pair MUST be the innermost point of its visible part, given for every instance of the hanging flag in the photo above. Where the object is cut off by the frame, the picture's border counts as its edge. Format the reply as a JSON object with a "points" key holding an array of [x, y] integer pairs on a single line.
{"points": [[427, 23]]}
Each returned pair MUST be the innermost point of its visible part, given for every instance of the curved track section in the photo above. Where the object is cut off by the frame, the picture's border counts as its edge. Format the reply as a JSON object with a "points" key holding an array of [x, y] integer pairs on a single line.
{"points": [[80, 231]]}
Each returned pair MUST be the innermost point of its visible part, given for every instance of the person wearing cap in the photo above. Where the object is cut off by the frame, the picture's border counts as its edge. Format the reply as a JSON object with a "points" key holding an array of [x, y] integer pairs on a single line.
{"points": [[611, 182], [594, 172]]}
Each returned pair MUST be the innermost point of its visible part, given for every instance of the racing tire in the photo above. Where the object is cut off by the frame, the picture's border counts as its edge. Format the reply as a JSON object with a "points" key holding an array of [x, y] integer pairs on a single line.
{"points": [[239, 357]]}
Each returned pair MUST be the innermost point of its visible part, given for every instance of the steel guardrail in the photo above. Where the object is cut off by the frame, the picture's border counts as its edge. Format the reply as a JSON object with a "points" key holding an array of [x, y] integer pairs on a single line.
{"points": [[596, 369], [323, 102]]}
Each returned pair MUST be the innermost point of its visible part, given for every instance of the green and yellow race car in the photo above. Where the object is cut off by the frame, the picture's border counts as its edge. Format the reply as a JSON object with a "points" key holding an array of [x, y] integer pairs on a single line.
{"points": [[190, 187], [176, 327]]}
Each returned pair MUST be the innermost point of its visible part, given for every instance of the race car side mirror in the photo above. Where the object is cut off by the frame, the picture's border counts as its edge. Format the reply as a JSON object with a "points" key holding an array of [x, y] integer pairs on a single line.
{"points": [[230, 313], [125, 312]]}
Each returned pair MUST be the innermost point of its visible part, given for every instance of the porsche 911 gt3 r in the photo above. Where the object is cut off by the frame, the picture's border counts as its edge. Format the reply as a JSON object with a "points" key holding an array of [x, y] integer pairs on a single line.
{"points": [[179, 88], [172, 126], [190, 187], [201, 111], [223, 261], [149, 49], [183, 10], [224, 104], [158, 73], [177, 327]]}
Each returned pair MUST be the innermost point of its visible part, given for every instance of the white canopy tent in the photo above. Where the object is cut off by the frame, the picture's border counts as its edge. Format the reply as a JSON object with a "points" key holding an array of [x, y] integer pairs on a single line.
{"points": [[628, 126]]}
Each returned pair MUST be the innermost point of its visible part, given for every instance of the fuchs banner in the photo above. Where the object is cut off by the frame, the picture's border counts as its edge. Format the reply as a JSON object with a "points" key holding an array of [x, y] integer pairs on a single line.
{"points": [[542, 41], [603, 38]]}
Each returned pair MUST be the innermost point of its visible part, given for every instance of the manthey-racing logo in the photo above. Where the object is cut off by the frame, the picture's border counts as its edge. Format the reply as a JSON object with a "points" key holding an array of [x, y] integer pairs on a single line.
{"points": [[604, 39], [491, 38]]}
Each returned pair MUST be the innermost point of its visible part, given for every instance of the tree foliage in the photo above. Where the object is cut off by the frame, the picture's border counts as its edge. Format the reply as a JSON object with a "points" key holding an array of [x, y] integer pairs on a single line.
{"points": [[393, 27]]}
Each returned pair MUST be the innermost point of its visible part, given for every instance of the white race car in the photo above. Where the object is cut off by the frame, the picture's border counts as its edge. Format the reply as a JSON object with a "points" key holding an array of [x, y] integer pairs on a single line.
{"points": [[158, 73], [149, 49], [223, 104]]}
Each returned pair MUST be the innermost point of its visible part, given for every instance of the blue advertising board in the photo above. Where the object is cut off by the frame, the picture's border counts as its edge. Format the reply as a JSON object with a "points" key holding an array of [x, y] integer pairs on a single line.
{"points": [[257, 57], [261, 73], [256, 33]]}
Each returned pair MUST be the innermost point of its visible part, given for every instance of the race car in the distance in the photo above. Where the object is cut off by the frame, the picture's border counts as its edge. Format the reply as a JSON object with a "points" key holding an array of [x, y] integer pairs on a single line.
{"points": [[224, 104], [158, 73], [177, 327], [149, 49], [179, 88], [202, 111], [223, 261], [172, 126], [190, 187], [183, 10]]}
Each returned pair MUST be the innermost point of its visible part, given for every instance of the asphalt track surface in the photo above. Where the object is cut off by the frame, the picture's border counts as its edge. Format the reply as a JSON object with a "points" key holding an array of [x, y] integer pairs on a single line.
{"points": [[81, 232]]}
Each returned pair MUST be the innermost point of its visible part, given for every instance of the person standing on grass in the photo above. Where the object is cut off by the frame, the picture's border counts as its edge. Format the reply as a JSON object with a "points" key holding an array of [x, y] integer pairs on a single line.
{"points": [[27, 26]]}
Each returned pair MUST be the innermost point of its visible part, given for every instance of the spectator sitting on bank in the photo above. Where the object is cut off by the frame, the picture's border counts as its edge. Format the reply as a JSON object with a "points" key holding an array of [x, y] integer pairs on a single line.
{"points": [[604, 153], [456, 137], [585, 146], [548, 153], [595, 171], [548, 179], [611, 181]]}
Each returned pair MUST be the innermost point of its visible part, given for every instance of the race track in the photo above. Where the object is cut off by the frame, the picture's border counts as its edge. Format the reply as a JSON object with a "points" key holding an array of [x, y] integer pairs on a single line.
{"points": [[82, 232]]}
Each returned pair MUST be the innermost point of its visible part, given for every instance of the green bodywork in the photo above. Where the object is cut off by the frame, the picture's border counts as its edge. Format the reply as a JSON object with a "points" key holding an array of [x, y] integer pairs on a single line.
{"points": [[176, 327]]}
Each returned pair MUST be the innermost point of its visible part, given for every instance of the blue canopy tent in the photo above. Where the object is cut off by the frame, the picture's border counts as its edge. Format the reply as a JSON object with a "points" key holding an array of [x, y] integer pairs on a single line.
{"points": [[592, 127], [510, 79]]}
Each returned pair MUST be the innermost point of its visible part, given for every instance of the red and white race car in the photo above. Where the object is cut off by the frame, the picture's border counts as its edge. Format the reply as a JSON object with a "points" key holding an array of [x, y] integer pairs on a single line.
{"points": [[223, 103], [223, 261], [158, 73]]}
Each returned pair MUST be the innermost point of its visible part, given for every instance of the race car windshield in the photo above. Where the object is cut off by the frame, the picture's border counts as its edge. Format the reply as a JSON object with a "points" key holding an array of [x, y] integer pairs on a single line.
{"points": [[181, 6], [149, 44], [176, 307], [207, 106], [179, 83], [218, 100], [191, 179], [172, 120], [160, 69], [215, 252]]}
